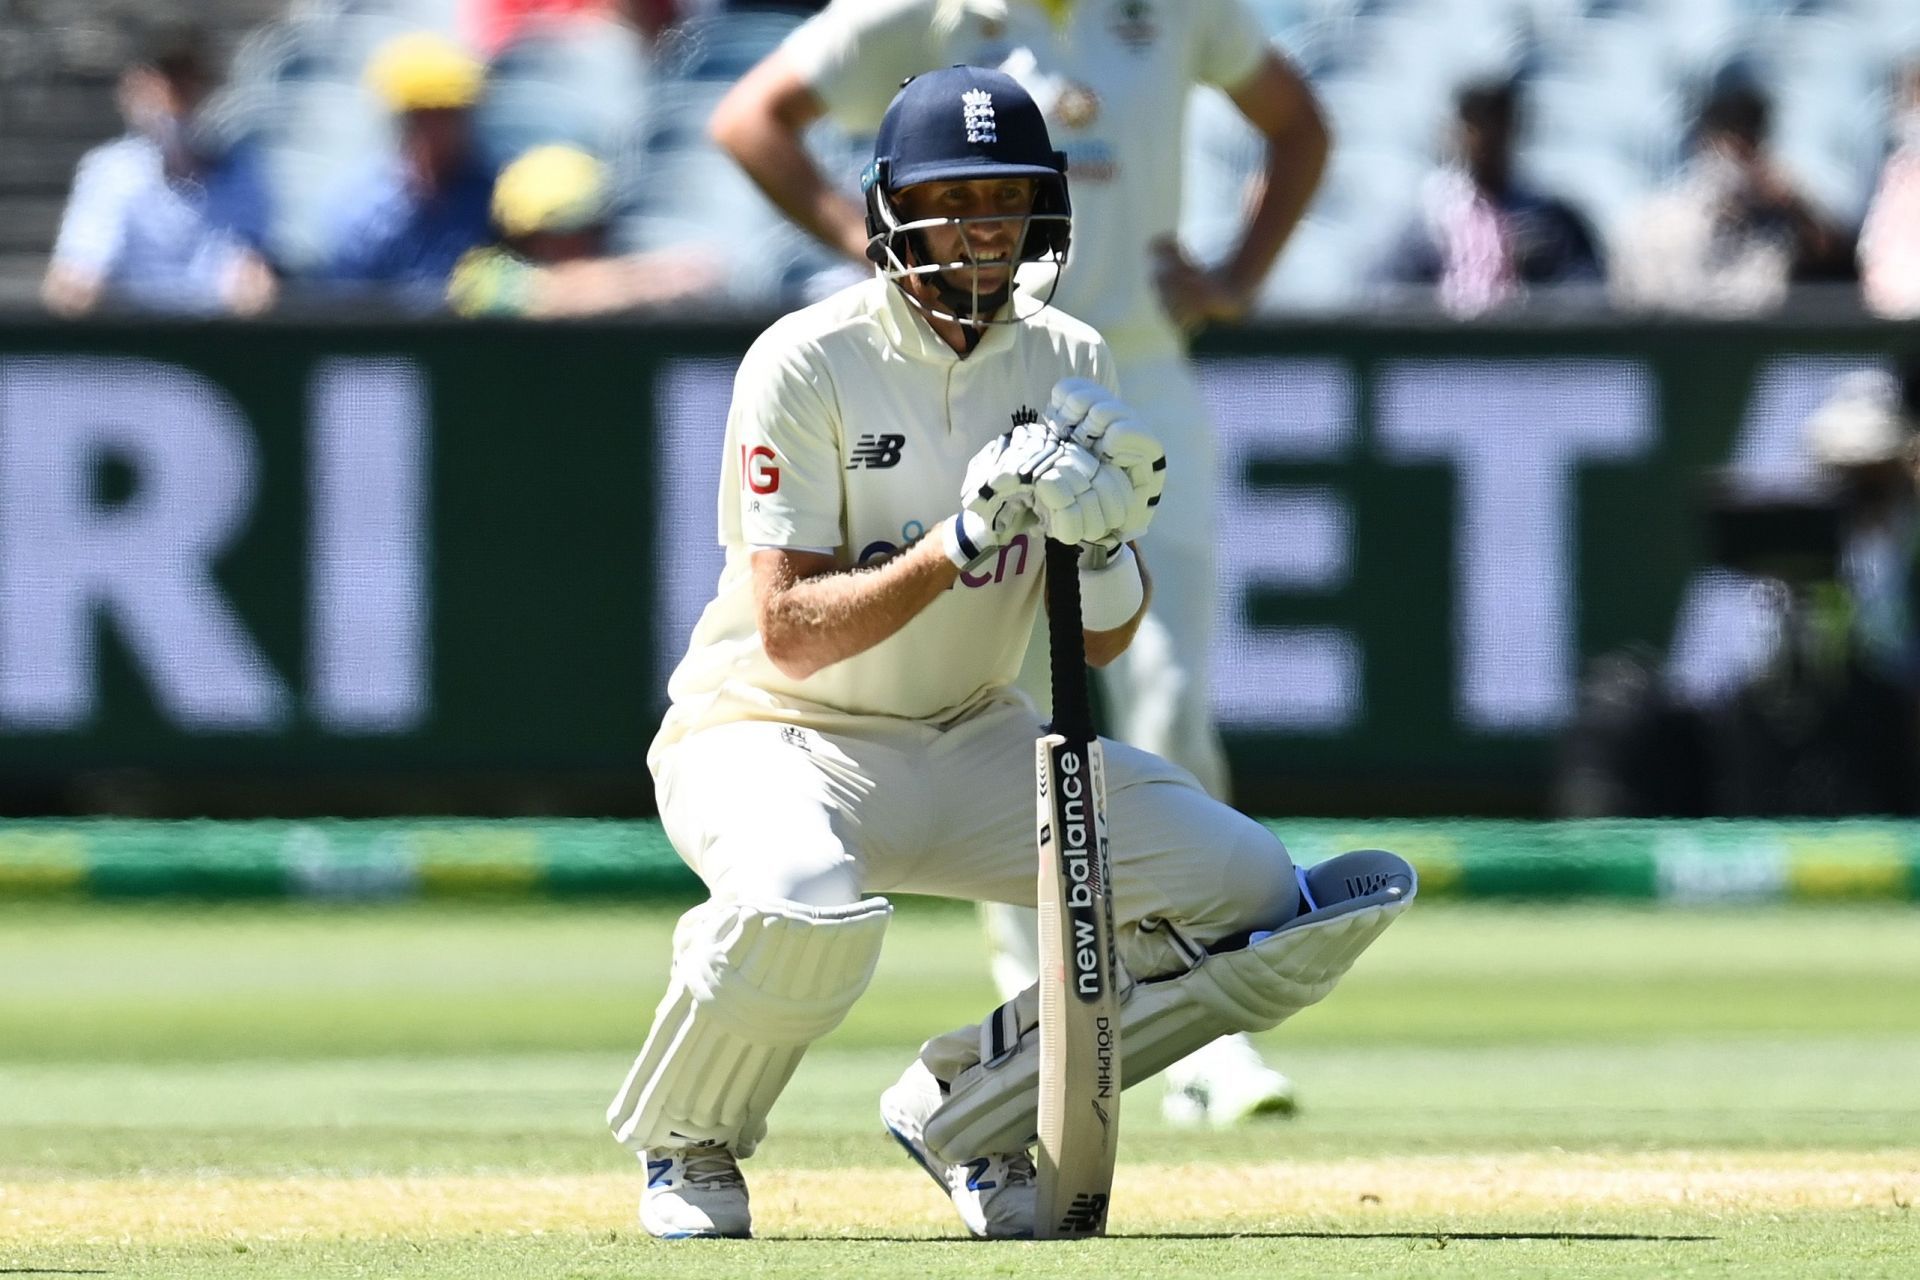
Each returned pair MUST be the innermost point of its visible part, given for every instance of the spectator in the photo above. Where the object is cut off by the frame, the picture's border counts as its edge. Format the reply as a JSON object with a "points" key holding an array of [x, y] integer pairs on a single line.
{"points": [[164, 218], [1480, 238], [492, 25], [550, 207], [1864, 437], [402, 225], [1830, 723], [1731, 234], [1890, 240]]}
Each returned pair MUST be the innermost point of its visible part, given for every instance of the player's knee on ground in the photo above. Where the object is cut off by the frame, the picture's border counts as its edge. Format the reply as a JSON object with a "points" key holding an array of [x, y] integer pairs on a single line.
{"points": [[754, 983]]}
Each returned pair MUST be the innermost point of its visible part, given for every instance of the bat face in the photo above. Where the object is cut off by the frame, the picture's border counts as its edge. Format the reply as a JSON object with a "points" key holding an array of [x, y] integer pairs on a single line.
{"points": [[1079, 1002], [1081, 866]]}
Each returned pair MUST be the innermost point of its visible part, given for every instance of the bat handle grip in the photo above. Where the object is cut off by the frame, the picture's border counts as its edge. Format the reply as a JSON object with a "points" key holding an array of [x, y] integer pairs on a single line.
{"points": [[1072, 711]]}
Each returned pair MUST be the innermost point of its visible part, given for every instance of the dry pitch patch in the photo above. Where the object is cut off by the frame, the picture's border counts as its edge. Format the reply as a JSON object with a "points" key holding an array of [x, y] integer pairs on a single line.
{"points": [[855, 1202]]}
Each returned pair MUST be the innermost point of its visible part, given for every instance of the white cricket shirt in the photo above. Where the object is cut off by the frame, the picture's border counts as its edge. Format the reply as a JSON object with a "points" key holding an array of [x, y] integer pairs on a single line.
{"points": [[1113, 80], [850, 431]]}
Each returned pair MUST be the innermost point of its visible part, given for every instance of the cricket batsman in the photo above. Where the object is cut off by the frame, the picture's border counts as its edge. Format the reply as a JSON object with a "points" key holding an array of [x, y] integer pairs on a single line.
{"points": [[845, 722], [1113, 79]]}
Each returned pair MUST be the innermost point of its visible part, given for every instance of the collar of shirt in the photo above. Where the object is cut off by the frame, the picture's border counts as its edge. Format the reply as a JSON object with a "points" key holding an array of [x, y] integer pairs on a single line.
{"points": [[907, 329]]}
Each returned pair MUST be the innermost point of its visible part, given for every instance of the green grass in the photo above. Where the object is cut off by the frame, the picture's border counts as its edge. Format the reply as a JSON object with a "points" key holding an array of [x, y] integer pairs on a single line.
{"points": [[416, 1091]]}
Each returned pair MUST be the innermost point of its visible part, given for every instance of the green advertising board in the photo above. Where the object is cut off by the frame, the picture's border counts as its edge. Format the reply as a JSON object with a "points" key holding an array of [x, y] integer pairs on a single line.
{"points": [[317, 567]]}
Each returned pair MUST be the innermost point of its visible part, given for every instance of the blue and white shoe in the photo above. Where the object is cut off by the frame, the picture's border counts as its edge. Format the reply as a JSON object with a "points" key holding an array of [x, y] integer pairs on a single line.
{"points": [[996, 1195], [694, 1193]]}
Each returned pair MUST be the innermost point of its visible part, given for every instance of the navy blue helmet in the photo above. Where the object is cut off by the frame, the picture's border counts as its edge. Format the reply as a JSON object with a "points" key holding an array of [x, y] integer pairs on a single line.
{"points": [[961, 123]]}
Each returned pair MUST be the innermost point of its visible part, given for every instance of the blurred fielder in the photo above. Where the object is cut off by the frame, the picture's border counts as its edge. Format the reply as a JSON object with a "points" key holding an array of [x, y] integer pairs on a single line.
{"points": [[1113, 77], [844, 722]]}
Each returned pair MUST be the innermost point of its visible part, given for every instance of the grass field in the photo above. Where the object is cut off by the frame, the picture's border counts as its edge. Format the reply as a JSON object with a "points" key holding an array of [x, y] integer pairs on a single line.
{"points": [[416, 1091]]}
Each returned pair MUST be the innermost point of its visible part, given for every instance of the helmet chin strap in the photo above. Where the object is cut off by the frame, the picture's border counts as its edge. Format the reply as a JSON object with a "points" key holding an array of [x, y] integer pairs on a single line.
{"points": [[900, 252], [970, 306], [963, 306]]}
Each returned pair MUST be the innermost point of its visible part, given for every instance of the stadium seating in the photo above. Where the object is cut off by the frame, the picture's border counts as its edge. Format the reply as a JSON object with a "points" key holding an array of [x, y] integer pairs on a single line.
{"points": [[1607, 90]]}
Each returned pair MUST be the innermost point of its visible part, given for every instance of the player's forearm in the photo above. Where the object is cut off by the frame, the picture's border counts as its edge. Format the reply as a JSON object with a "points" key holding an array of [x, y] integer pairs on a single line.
{"points": [[762, 123], [1284, 110], [807, 624], [1279, 201]]}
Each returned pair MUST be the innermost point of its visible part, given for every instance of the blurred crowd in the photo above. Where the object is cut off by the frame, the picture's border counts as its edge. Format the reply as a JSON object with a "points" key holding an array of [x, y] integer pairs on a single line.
{"points": [[1826, 719], [551, 157]]}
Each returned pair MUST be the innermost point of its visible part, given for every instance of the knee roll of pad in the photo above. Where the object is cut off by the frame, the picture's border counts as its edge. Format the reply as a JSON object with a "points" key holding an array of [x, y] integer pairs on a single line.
{"points": [[754, 983], [993, 1106], [1281, 972]]}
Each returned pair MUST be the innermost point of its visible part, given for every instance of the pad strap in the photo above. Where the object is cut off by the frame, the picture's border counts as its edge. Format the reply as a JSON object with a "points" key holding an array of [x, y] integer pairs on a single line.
{"points": [[993, 1106]]}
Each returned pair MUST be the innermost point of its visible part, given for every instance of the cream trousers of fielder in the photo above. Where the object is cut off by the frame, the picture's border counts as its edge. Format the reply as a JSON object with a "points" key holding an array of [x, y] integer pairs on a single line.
{"points": [[766, 810], [1157, 694]]}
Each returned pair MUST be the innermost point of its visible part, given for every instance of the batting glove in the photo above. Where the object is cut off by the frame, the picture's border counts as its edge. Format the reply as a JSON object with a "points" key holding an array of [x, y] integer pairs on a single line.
{"points": [[1093, 514], [997, 497], [1093, 417], [1080, 408], [1144, 462]]}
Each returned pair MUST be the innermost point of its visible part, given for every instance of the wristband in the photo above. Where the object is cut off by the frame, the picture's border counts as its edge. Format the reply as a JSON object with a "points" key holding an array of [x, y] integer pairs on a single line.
{"points": [[962, 537], [1111, 594]]}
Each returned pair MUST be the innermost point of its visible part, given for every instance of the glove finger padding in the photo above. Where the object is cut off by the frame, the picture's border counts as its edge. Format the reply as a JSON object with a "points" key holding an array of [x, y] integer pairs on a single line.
{"points": [[1066, 475], [1071, 399], [1128, 443], [1004, 514], [996, 500], [1145, 462], [1075, 523], [987, 470], [1095, 514], [1102, 417], [1112, 488]]}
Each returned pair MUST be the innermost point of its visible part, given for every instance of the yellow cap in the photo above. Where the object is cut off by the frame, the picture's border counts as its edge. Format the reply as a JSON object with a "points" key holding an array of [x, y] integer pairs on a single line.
{"points": [[424, 72], [552, 188]]}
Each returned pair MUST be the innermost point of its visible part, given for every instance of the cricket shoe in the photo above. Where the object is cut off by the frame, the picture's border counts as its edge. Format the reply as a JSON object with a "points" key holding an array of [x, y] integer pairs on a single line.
{"points": [[694, 1193], [1224, 1083], [996, 1195]]}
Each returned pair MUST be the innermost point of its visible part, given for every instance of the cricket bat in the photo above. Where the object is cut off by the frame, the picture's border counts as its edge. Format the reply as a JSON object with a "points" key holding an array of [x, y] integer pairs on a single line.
{"points": [[1079, 1001]]}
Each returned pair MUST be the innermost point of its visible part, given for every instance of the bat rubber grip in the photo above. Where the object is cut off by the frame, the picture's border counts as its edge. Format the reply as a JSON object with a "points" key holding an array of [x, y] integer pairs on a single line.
{"points": [[1072, 712]]}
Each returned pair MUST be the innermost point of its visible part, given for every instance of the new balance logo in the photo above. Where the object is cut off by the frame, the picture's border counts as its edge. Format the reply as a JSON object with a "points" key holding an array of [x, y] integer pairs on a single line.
{"points": [[1024, 415], [657, 1171], [877, 452], [1373, 882], [1087, 1213]]}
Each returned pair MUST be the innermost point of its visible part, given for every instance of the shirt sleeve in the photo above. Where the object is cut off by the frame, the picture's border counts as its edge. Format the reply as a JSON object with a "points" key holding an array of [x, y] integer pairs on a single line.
{"points": [[1228, 45], [356, 230], [780, 483], [854, 53], [94, 225], [237, 198]]}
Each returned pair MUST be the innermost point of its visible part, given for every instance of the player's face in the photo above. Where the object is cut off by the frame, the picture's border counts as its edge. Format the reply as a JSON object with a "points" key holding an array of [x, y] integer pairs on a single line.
{"points": [[989, 219]]}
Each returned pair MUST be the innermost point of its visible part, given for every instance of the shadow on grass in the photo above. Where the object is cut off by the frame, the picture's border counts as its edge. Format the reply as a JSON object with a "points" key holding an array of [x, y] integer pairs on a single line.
{"points": [[1420, 1235], [1436, 1236]]}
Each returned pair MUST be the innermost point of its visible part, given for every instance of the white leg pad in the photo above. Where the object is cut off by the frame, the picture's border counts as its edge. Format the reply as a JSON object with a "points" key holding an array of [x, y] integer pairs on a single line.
{"points": [[993, 1106], [754, 983]]}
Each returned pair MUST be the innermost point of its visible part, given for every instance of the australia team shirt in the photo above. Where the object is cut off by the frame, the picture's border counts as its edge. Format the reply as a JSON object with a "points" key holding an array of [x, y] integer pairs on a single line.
{"points": [[849, 433], [1113, 78]]}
